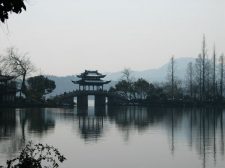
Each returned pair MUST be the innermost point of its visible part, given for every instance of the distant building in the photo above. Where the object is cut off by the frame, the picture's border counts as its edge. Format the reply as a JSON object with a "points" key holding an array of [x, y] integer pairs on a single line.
{"points": [[7, 89]]}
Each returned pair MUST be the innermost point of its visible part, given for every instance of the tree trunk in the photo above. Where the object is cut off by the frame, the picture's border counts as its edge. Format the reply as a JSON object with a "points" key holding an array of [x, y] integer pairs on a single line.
{"points": [[221, 77], [23, 85], [172, 76], [203, 67], [214, 73]]}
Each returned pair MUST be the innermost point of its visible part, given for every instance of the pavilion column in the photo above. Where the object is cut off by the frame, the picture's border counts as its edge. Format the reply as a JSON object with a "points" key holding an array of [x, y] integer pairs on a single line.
{"points": [[100, 100], [82, 101]]}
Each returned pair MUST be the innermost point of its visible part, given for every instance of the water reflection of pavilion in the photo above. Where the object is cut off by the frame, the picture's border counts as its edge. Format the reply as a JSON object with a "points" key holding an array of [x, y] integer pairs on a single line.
{"points": [[91, 122]]}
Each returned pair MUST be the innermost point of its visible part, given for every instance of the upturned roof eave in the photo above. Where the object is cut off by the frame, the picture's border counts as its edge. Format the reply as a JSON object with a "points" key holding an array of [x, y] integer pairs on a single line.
{"points": [[88, 76], [91, 83]]}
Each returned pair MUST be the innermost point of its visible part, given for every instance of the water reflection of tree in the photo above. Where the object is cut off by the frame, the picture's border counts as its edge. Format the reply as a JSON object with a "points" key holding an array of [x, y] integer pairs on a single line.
{"points": [[7, 123], [128, 117], [13, 133], [9, 141], [38, 121], [209, 128], [202, 127]]}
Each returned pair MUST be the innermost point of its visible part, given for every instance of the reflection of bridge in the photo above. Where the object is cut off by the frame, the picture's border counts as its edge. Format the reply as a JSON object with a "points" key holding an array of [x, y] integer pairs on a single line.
{"points": [[82, 98], [90, 127], [91, 83]]}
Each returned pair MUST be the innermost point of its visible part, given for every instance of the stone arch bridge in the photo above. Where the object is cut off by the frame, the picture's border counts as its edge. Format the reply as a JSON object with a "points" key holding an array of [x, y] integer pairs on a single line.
{"points": [[91, 83], [114, 98]]}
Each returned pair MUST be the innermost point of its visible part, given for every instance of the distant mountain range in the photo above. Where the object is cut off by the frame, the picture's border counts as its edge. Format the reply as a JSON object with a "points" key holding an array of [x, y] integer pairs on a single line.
{"points": [[64, 84]]}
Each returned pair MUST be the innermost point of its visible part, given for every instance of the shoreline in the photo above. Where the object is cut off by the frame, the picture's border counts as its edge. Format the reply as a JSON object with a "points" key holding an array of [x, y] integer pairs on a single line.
{"points": [[135, 104]]}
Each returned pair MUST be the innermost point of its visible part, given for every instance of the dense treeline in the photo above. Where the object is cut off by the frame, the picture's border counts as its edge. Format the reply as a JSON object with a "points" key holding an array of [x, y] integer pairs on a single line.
{"points": [[204, 83]]}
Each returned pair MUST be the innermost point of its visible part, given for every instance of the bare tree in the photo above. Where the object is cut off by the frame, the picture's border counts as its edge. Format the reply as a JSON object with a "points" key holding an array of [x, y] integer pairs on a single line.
{"points": [[221, 74], [126, 74], [214, 71], [171, 76], [203, 66], [19, 66], [208, 78], [1, 65], [190, 78], [198, 75]]}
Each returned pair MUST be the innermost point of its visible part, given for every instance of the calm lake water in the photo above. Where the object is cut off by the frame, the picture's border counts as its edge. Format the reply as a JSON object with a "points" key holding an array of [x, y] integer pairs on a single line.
{"points": [[132, 137]]}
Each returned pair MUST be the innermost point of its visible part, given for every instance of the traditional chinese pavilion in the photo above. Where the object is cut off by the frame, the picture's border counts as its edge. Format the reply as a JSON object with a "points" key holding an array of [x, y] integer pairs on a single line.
{"points": [[91, 83], [7, 89], [91, 80]]}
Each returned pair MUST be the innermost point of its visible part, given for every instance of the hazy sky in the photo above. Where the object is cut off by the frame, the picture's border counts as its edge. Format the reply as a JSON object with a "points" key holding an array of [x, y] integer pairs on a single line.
{"points": [[66, 37]]}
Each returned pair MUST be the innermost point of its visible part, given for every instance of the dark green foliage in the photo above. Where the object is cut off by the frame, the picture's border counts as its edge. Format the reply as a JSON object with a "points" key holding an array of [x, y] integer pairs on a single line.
{"points": [[38, 86], [142, 92], [141, 86], [37, 156], [8, 6], [123, 86], [112, 89], [156, 94], [139, 89]]}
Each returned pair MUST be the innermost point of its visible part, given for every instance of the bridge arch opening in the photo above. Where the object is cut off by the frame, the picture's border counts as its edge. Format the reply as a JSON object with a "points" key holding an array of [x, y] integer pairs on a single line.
{"points": [[91, 101]]}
